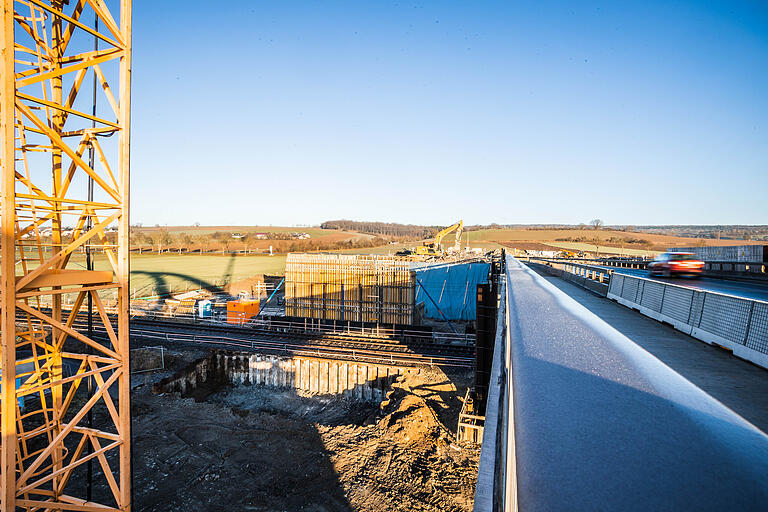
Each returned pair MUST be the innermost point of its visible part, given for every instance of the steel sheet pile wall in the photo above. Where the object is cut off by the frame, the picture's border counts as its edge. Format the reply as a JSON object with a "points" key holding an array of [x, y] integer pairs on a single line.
{"points": [[736, 323], [345, 287], [352, 379], [745, 253]]}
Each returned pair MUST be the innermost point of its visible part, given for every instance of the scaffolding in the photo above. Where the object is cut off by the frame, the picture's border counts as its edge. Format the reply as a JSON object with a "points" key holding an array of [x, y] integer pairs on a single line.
{"points": [[65, 167]]}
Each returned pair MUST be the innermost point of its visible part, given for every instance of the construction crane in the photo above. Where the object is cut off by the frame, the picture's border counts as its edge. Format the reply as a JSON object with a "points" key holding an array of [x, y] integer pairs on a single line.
{"points": [[435, 248]]}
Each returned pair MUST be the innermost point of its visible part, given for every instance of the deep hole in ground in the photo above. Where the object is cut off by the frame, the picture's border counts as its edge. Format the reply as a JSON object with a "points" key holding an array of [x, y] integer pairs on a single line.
{"points": [[253, 438]]}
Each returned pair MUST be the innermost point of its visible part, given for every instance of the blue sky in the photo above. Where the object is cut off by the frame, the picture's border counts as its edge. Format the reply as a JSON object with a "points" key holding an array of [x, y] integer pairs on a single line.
{"points": [[291, 113]]}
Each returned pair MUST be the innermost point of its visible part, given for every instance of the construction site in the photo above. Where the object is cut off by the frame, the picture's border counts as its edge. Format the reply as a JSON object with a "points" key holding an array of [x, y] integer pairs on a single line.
{"points": [[354, 365], [347, 382]]}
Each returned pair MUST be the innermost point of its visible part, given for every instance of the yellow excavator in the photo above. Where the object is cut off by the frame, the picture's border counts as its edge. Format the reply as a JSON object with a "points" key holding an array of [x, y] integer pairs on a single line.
{"points": [[435, 248]]}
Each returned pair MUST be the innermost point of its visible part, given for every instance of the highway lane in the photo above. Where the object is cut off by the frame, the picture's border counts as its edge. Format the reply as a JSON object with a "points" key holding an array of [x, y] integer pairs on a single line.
{"points": [[747, 290], [601, 424]]}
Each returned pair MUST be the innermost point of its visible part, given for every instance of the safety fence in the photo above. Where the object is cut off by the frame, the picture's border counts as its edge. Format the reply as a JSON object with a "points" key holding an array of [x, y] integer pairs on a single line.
{"points": [[588, 276], [738, 324], [713, 268]]}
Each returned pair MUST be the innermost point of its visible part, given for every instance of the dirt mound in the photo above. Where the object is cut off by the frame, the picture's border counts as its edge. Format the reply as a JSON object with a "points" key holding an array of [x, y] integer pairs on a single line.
{"points": [[405, 461]]}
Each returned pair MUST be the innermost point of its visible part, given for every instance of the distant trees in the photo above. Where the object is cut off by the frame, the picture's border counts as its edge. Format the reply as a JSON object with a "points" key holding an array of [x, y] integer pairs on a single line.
{"points": [[161, 238], [382, 228], [596, 223], [186, 241], [203, 240]]}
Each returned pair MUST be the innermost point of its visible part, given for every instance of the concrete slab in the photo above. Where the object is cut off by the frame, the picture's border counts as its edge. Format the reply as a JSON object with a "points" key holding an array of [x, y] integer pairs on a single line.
{"points": [[738, 384]]}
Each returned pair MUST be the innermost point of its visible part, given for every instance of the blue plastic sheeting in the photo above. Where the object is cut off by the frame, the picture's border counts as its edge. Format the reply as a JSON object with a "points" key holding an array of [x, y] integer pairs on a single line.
{"points": [[452, 287]]}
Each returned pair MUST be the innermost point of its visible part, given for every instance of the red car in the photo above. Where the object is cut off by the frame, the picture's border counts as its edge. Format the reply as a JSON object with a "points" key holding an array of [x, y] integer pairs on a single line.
{"points": [[676, 263]]}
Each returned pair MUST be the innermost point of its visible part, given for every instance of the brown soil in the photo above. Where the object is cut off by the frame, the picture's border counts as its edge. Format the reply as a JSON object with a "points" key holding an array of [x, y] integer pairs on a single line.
{"points": [[253, 448]]}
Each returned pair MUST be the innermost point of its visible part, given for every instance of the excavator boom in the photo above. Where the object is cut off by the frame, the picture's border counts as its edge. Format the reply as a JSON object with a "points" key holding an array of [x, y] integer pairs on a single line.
{"points": [[435, 247]]}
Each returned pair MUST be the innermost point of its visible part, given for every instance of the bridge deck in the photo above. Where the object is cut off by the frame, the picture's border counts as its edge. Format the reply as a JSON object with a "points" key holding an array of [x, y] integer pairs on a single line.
{"points": [[601, 424], [738, 384]]}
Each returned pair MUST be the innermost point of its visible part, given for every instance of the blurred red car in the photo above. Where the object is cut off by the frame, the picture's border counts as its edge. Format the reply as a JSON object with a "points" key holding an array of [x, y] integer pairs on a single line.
{"points": [[676, 263]]}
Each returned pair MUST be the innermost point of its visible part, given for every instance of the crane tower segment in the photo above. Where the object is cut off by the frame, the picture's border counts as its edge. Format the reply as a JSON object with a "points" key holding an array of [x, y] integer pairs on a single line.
{"points": [[57, 206]]}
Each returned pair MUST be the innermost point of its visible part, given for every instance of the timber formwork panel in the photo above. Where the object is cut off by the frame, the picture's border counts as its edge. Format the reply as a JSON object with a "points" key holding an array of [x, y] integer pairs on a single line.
{"points": [[64, 131], [356, 288]]}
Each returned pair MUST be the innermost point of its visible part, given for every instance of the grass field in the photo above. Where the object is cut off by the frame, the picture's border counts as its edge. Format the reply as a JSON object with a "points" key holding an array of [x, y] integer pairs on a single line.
{"points": [[153, 274]]}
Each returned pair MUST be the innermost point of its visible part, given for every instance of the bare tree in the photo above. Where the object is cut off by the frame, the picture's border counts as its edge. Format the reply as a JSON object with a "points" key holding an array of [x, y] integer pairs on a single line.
{"points": [[161, 237], [186, 240], [596, 223]]}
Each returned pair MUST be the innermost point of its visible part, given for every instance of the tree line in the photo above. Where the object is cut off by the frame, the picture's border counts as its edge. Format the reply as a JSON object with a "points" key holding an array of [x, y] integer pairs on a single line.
{"points": [[162, 241]]}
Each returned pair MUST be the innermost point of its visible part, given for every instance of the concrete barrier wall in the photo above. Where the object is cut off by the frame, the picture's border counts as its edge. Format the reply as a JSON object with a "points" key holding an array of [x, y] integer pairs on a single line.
{"points": [[361, 381], [738, 324]]}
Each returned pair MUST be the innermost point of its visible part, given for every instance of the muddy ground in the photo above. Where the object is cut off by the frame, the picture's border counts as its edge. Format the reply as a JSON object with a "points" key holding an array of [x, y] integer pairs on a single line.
{"points": [[260, 449]]}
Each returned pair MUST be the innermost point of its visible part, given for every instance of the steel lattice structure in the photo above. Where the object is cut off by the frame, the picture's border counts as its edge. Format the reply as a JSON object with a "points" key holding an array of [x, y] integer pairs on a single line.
{"points": [[53, 376]]}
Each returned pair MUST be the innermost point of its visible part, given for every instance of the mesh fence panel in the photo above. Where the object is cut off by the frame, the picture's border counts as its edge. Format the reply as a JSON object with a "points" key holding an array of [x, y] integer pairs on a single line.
{"points": [[696, 308], [740, 321], [758, 328], [726, 317], [652, 295], [617, 281], [677, 303], [629, 291]]}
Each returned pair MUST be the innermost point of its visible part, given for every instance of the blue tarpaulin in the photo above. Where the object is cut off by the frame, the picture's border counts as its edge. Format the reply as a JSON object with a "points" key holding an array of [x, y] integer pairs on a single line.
{"points": [[452, 287]]}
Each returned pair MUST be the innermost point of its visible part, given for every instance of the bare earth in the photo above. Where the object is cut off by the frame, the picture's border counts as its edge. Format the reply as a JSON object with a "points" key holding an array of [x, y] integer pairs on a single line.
{"points": [[254, 448]]}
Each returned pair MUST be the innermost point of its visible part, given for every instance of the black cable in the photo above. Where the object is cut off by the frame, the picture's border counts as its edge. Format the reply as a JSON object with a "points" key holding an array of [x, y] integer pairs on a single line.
{"points": [[89, 266]]}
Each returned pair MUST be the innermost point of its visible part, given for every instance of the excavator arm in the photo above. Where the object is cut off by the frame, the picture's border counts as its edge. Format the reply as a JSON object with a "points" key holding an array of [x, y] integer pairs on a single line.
{"points": [[458, 227]]}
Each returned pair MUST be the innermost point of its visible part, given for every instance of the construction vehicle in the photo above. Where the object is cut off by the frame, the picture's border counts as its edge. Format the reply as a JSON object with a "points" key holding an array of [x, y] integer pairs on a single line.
{"points": [[567, 254], [435, 248]]}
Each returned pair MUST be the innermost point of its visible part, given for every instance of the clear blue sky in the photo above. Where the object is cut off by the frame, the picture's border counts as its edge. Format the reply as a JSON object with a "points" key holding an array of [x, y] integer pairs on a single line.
{"points": [[284, 113]]}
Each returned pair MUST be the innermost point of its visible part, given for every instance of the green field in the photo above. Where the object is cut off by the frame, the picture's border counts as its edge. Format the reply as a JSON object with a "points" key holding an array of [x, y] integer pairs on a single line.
{"points": [[153, 274]]}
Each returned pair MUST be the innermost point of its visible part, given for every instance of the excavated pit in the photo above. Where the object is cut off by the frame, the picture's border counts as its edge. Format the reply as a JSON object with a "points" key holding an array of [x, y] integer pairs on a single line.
{"points": [[306, 376], [250, 431]]}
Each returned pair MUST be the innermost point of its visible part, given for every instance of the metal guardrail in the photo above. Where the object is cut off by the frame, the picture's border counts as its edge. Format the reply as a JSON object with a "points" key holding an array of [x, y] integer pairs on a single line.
{"points": [[591, 272], [736, 323], [753, 269]]}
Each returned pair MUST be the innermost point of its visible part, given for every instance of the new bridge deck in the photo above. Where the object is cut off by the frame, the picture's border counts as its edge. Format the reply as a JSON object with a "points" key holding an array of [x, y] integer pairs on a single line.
{"points": [[738, 384], [608, 418]]}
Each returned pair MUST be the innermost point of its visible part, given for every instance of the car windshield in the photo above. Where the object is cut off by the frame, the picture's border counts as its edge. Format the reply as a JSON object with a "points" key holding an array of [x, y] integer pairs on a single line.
{"points": [[683, 257]]}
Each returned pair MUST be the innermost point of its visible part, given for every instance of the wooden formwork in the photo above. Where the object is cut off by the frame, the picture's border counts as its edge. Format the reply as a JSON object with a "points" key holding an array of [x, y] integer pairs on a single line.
{"points": [[349, 287]]}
